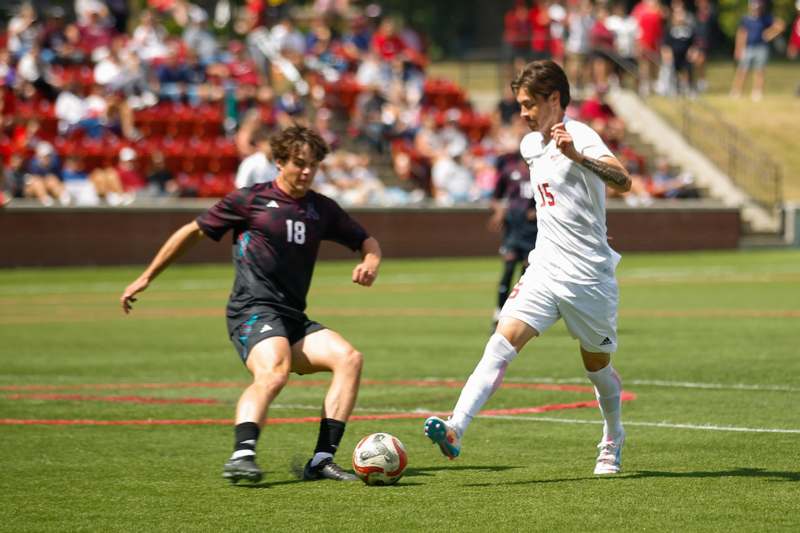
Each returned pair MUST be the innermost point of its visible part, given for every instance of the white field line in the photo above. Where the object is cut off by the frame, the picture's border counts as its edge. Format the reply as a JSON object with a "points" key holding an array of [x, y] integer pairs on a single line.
{"points": [[666, 384], [667, 425]]}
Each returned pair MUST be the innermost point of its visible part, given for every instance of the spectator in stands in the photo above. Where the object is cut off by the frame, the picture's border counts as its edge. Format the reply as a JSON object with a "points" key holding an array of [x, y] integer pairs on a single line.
{"points": [[85, 9], [678, 51], [118, 184], [96, 33], [649, 15], [43, 180], [557, 14], [539, 20], [665, 184], [414, 176], [626, 32], [160, 180], [516, 31], [756, 30], [579, 26], [386, 42], [72, 112], [258, 167], [197, 37], [452, 182], [23, 30], [148, 39], [454, 142], [601, 39], [36, 75], [117, 69], [77, 184], [705, 40], [16, 183]]}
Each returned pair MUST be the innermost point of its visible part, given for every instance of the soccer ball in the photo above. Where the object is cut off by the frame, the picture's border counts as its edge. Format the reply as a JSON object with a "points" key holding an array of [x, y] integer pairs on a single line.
{"points": [[380, 459]]}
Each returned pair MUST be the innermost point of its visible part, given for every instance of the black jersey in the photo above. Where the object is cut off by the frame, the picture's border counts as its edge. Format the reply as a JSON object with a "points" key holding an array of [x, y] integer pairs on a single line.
{"points": [[275, 243], [514, 185]]}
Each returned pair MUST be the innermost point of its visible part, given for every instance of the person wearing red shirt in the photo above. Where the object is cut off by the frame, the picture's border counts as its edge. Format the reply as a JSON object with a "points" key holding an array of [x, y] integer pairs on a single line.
{"points": [[386, 42], [649, 15], [516, 31], [540, 30]]}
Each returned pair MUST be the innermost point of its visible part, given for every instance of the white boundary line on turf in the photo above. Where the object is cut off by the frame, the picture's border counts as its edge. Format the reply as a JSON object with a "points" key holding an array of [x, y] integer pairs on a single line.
{"points": [[668, 384], [706, 427], [667, 425]]}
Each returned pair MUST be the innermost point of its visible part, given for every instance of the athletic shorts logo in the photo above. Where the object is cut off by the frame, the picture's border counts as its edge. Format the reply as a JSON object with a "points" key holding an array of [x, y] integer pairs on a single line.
{"points": [[272, 203], [606, 342], [265, 328]]}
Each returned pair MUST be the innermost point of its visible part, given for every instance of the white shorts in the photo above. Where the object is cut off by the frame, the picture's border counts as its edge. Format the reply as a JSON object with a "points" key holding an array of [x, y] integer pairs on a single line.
{"points": [[589, 311]]}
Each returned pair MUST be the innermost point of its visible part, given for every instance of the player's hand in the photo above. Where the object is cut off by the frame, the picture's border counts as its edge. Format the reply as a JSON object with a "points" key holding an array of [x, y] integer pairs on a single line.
{"points": [[365, 274], [564, 141], [131, 290]]}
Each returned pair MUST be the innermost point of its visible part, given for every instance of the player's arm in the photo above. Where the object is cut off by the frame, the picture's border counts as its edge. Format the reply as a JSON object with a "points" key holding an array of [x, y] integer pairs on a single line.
{"points": [[367, 270], [606, 167], [180, 241], [778, 25]]}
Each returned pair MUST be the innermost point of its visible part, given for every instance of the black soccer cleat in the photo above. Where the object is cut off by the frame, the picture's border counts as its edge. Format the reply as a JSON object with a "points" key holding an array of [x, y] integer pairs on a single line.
{"points": [[242, 468], [326, 469]]}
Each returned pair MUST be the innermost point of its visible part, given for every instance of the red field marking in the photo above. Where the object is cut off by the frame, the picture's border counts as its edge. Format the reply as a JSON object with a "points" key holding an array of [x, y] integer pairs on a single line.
{"points": [[120, 399], [625, 396]]}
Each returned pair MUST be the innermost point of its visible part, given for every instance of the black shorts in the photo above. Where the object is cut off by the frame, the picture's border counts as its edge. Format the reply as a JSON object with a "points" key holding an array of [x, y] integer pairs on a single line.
{"points": [[262, 326]]}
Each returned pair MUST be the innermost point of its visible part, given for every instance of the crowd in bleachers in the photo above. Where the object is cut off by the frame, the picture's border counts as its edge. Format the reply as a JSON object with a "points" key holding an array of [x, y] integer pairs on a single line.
{"points": [[102, 107], [601, 42]]}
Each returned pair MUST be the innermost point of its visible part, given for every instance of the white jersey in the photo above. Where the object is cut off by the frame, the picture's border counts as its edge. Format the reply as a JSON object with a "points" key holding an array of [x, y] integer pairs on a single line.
{"points": [[571, 209]]}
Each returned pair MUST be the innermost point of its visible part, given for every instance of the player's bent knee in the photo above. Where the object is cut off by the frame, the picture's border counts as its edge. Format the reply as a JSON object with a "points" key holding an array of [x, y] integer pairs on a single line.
{"points": [[501, 348], [352, 361]]}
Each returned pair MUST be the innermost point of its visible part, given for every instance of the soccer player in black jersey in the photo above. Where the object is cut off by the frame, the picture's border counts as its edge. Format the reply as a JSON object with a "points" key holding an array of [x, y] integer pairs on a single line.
{"points": [[513, 211], [277, 229]]}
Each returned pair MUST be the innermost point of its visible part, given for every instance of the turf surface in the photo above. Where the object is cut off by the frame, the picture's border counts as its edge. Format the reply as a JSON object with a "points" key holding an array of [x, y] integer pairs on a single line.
{"points": [[708, 345]]}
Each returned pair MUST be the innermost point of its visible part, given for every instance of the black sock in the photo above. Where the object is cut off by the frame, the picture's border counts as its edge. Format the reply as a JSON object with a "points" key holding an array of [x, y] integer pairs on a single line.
{"points": [[246, 437], [330, 434], [505, 282]]}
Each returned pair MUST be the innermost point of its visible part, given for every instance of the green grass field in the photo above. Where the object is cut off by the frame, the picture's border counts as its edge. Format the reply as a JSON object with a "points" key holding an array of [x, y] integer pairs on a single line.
{"points": [[708, 344]]}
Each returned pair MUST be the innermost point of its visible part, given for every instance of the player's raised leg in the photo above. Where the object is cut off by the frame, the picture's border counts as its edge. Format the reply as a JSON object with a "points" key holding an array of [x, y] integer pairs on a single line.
{"points": [[608, 390], [511, 335], [320, 351], [269, 362]]}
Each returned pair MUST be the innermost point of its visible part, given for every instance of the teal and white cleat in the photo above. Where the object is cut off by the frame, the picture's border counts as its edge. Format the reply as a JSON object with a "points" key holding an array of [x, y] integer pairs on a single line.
{"points": [[609, 460], [441, 433]]}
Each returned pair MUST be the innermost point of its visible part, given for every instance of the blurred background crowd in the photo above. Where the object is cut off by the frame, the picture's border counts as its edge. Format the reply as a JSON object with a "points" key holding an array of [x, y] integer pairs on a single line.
{"points": [[115, 101]]}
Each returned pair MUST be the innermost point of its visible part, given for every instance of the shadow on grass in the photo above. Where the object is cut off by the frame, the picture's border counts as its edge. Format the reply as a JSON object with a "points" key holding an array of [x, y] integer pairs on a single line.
{"points": [[427, 471], [736, 472]]}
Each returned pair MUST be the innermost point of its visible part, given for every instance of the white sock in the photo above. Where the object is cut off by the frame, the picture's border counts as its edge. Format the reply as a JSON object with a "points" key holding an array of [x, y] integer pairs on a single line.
{"points": [[319, 457], [607, 388], [485, 379]]}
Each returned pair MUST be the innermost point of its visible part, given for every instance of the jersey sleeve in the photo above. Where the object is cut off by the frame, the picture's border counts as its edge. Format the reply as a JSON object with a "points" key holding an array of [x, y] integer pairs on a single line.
{"points": [[587, 141], [230, 212], [342, 228]]}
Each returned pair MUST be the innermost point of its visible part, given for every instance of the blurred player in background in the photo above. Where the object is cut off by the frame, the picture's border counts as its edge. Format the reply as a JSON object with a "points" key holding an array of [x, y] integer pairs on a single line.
{"points": [[513, 212], [572, 267], [277, 229]]}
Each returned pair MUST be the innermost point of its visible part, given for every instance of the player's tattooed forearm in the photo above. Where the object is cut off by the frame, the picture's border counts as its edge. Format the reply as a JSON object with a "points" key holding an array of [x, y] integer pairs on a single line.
{"points": [[610, 174]]}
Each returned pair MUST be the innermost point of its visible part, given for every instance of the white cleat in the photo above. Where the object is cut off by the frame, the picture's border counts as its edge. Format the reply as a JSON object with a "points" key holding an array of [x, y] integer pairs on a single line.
{"points": [[609, 460]]}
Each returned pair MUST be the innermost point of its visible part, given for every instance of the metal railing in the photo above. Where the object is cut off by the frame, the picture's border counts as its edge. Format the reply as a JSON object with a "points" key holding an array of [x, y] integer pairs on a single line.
{"points": [[752, 169]]}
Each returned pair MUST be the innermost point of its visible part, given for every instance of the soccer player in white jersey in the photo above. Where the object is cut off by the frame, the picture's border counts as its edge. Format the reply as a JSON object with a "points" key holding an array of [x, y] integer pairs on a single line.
{"points": [[572, 267]]}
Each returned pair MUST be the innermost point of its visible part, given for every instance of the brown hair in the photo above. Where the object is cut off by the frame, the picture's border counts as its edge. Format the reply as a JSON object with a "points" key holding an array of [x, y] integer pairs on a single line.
{"points": [[543, 78], [288, 143]]}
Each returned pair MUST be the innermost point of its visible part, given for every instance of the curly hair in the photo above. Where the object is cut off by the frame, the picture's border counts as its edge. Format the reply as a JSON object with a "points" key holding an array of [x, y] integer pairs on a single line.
{"points": [[288, 143], [543, 77]]}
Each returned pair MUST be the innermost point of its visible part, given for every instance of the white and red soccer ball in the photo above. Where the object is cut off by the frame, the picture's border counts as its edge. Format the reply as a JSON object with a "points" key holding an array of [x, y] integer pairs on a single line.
{"points": [[380, 459]]}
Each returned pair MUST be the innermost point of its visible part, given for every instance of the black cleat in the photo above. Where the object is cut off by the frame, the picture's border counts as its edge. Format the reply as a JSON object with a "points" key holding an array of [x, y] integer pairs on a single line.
{"points": [[326, 469], [242, 468]]}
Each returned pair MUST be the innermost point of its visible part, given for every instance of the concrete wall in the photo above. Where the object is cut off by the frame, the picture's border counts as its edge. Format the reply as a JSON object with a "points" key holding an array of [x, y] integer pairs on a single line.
{"points": [[103, 236]]}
